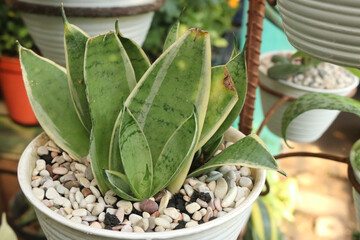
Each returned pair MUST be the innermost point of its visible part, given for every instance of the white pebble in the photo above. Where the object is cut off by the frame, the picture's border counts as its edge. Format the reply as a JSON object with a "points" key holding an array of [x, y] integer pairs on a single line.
{"points": [[162, 222], [80, 167], [51, 193], [44, 173], [196, 216], [126, 205], [138, 229], [120, 214], [79, 197], [186, 217], [212, 186], [101, 217], [99, 208], [192, 223], [189, 190], [221, 188], [230, 197], [246, 182], [172, 212], [39, 193], [79, 212], [245, 171], [159, 229], [192, 207], [84, 182], [110, 199], [126, 228], [96, 225], [40, 165], [90, 198], [164, 202], [167, 218], [134, 218], [95, 191]]}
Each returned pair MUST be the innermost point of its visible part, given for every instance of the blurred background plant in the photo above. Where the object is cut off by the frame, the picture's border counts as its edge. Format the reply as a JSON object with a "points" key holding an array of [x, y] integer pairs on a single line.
{"points": [[12, 29], [214, 16]]}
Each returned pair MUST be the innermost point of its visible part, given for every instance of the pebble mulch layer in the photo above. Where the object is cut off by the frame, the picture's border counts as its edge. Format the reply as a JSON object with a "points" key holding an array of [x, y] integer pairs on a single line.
{"points": [[69, 188], [324, 76]]}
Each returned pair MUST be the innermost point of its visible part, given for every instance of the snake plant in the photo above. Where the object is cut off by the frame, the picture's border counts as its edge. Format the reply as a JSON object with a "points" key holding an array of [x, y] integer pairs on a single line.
{"points": [[141, 123]]}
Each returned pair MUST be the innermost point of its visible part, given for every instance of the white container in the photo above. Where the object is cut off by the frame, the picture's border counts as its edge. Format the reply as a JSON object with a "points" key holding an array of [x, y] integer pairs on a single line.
{"points": [[48, 30], [327, 29], [307, 127], [57, 227]]}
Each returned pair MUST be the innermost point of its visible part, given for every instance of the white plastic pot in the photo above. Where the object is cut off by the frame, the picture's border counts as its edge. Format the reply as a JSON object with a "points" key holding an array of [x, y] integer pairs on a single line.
{"points": [[95, 17], [326, 29], [57, 227], [309, 126]]}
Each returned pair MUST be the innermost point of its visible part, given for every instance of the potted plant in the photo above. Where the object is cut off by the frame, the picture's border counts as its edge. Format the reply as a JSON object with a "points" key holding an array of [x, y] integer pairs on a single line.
{"points": [[11, 82], [43, 18], [145, 127], [327, 29], [313, 101], [285, 76]]}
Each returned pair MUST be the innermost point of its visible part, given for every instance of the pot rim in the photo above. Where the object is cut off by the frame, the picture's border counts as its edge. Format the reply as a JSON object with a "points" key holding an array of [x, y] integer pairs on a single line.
{"points": [[104, 12], [27, 190], [353, 85]]}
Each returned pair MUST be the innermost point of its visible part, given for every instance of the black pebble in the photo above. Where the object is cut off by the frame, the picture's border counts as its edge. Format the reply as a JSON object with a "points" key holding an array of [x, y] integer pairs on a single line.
{"points": [[134, 211], [180, 225], [194, 196], [177, 202], [200, 221], [205, 196], [111, 220], [47, 158]]}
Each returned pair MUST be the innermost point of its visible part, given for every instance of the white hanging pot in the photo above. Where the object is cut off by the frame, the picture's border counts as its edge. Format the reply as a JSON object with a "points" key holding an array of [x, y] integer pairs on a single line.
{"points": [[44, 21], [309, 126], [57, 227], [326, 29]]}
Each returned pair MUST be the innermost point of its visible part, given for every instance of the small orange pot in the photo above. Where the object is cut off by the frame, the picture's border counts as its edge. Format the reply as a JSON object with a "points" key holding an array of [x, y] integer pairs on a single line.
{"points": [[13, 90]]}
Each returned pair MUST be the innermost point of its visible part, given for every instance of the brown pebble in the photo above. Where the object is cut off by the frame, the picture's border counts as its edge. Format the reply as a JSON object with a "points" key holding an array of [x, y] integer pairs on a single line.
{"points": [[86, 192], [149, 206], [54, 154], [187, 198], [179, 218], [70, 184], [155, 214], [56, 177], [159, 195], [49, 169]]}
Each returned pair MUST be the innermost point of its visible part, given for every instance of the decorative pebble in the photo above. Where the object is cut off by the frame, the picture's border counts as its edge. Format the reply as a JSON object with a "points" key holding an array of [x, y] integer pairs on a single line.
{"points": [[192, 207], [196, 216], [76, 219], [221, 188], [95, 191], [80, 167], [138, 229], [51, 193], [101, 217], [44, 173], [189, 190], [126, 205], [120, 214], [110, 199], [42, 150], [79, 212], [39, 193], [60, 170], [84, 182], [192, 223], [172, 212], [214, 177], [164, 202], [162, 222], [126, 228], [230, 197], [90, 199], [245, 171], [134, 218], [96, 225], [40, 165], [159, 229], [246, 182], [99, 208], [149, 206]]}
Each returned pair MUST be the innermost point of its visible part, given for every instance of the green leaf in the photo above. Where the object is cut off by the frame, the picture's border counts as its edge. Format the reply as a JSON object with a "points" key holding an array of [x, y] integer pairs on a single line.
{"points": [[109, 79], [172, 36], [238, 73], [312, 101], [285, 70], [273, 17], [135, 156], [167, 93], [223, 98], [115, 162], [249, 151], [48, 91], [137, 56], [120, 185], [279, 59], [74, 42], [179, 149], [210, 150], [6, 232]]}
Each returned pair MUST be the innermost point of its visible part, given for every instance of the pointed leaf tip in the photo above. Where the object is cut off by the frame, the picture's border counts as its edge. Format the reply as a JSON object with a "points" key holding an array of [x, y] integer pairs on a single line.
{"points": [[63, 13]]}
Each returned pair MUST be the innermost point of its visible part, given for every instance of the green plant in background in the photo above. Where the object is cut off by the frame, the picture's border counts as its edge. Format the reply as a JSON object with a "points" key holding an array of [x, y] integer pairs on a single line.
{"points": [[12, 29], [285, 67], [146, 122], [213, 15], [6, 232]]}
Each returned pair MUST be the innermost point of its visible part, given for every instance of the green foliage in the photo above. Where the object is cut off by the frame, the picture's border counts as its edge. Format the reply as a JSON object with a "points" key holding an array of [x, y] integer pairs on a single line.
{"points": [[145, 133], [285, 68], [312, 101], [12, 29], [213, 15]]}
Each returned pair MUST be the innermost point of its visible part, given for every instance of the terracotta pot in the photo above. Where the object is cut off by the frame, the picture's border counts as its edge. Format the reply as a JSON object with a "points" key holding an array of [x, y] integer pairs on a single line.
{"points": [[13, 90], [57, 227]]}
